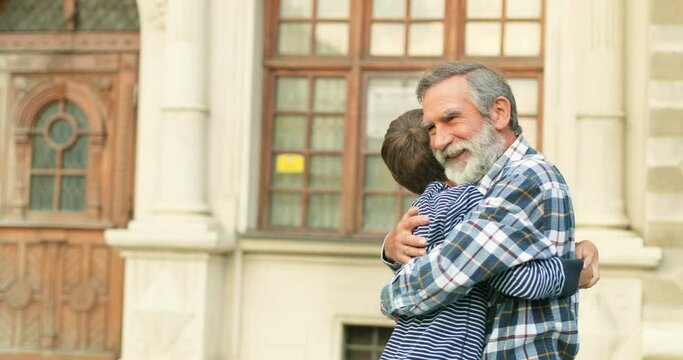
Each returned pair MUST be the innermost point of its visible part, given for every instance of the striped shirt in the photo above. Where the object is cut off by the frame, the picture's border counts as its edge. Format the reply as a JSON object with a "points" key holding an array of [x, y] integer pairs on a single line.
{"points": [[526, 214], [458, 330]]}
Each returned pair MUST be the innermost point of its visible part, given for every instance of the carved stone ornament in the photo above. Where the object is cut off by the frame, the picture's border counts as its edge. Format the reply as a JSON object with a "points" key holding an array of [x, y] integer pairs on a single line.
{"points": [[18, 295], [155, 13], [83, 297]]}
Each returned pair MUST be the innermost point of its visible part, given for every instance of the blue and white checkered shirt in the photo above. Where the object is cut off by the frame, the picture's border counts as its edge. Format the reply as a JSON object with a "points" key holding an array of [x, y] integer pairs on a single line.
{"points": [[526, 214]]}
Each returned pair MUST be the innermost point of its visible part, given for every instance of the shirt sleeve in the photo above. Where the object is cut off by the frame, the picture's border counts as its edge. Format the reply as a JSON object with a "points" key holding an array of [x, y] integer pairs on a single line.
{"points": [[539, 279], [517, 221], [394, 266]]}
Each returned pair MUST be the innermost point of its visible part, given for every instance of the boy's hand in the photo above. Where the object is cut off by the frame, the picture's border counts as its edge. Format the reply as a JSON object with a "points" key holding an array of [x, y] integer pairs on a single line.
{"points": [[400, 244], [588, 252], [585, 277]]}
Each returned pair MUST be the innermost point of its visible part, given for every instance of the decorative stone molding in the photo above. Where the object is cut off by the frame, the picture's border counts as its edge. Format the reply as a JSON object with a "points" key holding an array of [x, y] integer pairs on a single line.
{"points": [[49, 42], [153, 13]]}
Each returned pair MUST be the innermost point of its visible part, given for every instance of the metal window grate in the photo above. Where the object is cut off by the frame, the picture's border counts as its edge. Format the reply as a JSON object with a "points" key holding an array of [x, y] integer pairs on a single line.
{"points": [[32, 15], [48, 15], [99, 15]]}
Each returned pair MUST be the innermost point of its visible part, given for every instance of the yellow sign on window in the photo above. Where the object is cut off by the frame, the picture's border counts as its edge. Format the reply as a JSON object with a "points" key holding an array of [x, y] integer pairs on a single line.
{"points": [[289, 164]]}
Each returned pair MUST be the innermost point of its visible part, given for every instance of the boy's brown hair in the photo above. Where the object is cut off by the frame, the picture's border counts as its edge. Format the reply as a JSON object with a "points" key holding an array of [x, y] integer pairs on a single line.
{"points": [[408, 155]]}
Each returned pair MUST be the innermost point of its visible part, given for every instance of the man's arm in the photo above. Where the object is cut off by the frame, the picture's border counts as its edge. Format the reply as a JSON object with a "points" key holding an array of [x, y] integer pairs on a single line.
{"points": [[501, 233]]}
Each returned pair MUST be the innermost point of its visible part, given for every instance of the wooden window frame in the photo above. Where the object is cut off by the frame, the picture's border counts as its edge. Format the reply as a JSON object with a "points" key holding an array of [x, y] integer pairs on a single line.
{"points": [[29, 109], [356, 66]]}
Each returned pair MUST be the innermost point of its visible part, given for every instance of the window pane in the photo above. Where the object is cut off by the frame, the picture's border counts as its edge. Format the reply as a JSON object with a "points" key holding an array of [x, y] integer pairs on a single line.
{"points": [[290, 132], [377, 175], [384, 335], [323, 211], [330, 94], [287, 171], [482, 39], [387, 98], [76, 157], [60, 131], [427, 9], [529, 125], [72, 195], [426, 39], [388, 9], [358, 335], [358, 355], [387, 39], [325, 172], [523, 9], [49, 110], [484, 9], [295, 8], [328, 133], [295, 39], [78, 114], [526, 95], [292, 94], [42, 156], [42, 193], [285, 209], [522, 39], [331, 39], [379, 212], [333, 9], [407, 201]]}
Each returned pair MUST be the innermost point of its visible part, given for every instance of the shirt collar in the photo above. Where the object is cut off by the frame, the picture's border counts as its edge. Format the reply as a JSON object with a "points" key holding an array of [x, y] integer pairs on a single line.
{"points": [[513, 153]]}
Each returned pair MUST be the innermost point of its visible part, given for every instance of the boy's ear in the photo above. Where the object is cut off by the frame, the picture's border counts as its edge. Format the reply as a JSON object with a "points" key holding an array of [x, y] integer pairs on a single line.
{"points": [[501, 111]]}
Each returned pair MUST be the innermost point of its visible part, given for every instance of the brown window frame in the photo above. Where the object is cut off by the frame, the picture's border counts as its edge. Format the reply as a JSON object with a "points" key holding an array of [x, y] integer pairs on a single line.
{"points": [[356, 66]]}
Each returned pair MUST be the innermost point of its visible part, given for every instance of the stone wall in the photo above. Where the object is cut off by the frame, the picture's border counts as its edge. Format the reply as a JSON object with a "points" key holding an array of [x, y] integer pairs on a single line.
{"points": [[663, 289]]}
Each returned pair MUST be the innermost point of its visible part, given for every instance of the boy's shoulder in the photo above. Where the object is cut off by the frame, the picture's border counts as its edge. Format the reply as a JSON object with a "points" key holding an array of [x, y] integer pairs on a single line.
{"points": [[461, 190]]}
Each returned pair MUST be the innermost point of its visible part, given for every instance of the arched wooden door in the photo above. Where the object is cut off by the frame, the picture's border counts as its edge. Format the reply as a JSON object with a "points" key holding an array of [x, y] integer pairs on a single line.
{"points": [[60, 284], [67, 130]]}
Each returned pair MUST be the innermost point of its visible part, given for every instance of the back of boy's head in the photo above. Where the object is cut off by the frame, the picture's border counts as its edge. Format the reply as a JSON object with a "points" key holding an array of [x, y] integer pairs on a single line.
{"points": [[408, 155]]}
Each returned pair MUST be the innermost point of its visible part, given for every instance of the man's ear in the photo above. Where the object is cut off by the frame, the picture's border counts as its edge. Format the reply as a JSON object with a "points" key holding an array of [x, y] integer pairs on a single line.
{"points": [[501, 111]]}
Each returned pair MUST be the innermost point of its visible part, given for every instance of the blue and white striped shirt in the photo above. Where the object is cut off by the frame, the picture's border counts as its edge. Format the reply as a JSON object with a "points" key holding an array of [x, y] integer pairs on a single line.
{"points": [[458, 330]]}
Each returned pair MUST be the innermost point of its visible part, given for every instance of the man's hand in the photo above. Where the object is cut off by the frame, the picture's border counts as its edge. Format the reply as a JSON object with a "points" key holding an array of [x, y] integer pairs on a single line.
{"points": [[588, 252], [400, 244]]}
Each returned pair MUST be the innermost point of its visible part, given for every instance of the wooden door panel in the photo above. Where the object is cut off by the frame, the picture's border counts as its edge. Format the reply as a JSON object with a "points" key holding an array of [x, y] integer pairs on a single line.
{"points": [[59, 291]]}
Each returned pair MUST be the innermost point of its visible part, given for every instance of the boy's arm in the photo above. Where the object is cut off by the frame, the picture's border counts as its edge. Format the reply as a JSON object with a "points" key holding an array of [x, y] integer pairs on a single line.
{"points": [[540, 279]]}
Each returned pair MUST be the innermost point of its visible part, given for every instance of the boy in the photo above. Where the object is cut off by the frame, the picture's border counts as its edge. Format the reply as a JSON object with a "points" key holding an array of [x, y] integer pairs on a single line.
{"points": [[458, 330]]}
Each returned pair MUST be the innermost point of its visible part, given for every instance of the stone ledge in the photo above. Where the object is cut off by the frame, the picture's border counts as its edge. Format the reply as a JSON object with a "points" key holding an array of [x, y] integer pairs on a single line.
{"points": [[662, 339], [621, 248], [174, 234]]}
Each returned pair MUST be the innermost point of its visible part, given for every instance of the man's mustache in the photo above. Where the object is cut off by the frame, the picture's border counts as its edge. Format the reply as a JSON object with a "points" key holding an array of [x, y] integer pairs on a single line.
{"points": [[453, 150]]}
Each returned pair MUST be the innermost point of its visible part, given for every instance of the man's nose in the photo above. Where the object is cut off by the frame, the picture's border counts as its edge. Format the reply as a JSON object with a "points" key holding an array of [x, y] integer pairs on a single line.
{"points": [[441, 139]]}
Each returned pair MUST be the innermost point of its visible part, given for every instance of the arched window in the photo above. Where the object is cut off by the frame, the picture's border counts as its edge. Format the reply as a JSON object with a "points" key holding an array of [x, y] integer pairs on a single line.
{"points": [[59, 159], [60, 143]]}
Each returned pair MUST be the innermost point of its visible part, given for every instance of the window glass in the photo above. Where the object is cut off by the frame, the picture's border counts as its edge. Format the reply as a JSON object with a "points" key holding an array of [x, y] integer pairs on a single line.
{"points": [[59, 158]]}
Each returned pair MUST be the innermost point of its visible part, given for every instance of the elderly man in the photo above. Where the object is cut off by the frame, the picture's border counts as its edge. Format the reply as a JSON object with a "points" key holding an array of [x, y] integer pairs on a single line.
{"points": [[526, 213]]}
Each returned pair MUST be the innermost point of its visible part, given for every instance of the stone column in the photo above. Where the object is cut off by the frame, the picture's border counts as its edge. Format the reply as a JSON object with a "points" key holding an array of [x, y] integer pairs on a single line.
{"points": [[599, 186], [183, 177], [586, 78], [174, 247]]}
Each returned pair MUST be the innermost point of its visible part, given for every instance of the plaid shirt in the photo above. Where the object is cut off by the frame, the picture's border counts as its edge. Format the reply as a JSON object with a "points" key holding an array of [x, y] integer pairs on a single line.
{"points": [[526, 214]]}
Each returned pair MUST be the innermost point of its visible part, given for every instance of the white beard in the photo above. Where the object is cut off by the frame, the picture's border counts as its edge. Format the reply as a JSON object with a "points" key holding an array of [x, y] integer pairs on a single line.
{"points": [[484, 149]]}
